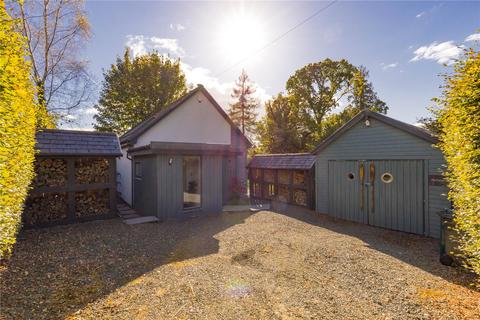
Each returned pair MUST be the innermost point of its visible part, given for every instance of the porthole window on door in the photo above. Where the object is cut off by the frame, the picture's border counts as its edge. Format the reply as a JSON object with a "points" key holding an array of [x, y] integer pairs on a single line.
{"points": [[387, 177], [350, 176]]}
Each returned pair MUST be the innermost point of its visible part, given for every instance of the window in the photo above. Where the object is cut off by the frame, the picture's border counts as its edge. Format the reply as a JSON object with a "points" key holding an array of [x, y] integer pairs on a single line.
{"points": [[387, 177], [138, 170], [191, 182], [350, 176]]}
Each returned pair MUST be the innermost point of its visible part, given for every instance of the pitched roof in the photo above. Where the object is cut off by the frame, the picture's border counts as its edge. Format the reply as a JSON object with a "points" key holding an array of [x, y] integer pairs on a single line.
{"points": [[59, 142], [300, 161], [364, 115], [132, 135]]}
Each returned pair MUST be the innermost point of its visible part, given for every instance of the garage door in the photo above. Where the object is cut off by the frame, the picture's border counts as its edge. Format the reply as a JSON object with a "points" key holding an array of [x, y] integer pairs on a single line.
{"points": [[383, 193]]}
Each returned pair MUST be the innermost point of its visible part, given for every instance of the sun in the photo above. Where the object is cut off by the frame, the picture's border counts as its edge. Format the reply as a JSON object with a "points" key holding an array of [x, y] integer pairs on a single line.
{"points": [[240, 35]]}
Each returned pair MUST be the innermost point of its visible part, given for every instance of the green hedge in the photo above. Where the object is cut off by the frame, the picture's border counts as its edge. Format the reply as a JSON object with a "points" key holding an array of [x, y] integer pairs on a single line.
{"points": [[459, 120], [17, 131]]}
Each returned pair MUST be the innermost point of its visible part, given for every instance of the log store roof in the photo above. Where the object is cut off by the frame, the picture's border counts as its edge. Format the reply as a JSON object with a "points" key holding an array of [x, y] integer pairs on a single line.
{"points": [[57, 142]]}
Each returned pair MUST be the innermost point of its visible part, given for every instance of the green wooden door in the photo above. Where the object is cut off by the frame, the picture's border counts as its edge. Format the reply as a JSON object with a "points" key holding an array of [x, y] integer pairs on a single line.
{"points": [[383, 193]]}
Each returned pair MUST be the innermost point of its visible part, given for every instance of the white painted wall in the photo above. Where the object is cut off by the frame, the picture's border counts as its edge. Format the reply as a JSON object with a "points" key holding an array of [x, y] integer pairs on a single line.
{"points": [[196, 121], [124, 178]]}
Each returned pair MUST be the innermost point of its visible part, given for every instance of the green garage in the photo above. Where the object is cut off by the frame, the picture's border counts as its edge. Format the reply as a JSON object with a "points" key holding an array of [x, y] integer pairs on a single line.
{"points": [[382, 172]]}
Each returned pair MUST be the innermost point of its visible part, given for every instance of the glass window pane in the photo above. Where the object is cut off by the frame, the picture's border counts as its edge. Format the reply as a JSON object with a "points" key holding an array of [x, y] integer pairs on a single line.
{"points": [[191, 182]]}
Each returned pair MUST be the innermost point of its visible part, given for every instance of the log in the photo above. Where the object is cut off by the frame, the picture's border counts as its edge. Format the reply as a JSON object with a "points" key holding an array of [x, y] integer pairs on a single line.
{"points": [[44, 208], [91, 170], [50, 172], [92, 203]]}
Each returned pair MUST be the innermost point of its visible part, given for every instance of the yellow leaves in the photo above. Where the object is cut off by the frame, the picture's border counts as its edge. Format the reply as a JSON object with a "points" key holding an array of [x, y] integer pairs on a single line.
{"points": [[17, 123]]}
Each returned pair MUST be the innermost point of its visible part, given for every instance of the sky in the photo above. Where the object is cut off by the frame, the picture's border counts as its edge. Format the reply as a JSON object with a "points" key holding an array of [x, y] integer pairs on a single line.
{"points": [[404, 45]]}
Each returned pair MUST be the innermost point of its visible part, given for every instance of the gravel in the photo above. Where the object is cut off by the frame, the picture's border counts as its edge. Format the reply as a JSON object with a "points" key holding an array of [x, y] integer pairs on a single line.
{"points": [[266, 265]]}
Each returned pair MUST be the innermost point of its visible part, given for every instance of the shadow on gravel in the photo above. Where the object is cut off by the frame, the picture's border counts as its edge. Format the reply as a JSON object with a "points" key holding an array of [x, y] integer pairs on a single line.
{"points": [[419, 251], [57, 271]]}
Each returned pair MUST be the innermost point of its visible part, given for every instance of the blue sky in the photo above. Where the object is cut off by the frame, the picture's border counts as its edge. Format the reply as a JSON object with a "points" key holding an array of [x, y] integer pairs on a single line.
{"points": [[402, 44]]}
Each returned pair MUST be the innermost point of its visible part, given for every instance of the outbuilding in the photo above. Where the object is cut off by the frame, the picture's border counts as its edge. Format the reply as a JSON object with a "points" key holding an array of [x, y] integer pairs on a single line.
{"points": [[75, 177], [380, 171], [285, 178], [187, 159]]}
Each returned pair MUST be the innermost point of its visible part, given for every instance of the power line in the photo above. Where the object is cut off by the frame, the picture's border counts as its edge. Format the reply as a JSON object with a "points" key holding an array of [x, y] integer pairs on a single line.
{"points": [[279, 37]]}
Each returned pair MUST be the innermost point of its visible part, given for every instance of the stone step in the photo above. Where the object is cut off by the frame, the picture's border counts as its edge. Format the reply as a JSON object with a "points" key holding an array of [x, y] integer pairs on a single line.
{"points": [[139, 220]]}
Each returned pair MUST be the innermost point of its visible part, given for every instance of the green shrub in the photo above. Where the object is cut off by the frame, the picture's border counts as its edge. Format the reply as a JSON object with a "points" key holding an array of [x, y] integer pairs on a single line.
{"points": [[459, 119], [17, 130]]}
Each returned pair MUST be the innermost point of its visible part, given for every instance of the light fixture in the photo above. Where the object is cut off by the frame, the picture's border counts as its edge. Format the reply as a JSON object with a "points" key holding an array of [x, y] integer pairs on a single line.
{"points": [[367, 123], [170, 161]]}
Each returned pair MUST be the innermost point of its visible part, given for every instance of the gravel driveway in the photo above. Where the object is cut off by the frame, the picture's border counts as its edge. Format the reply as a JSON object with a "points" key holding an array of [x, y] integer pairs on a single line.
{"points": [[235, 266]]}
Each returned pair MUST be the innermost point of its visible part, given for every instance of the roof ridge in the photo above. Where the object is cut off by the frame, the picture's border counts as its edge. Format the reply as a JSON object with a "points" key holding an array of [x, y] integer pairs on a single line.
{"points": [[283, 154], [40, 130]]}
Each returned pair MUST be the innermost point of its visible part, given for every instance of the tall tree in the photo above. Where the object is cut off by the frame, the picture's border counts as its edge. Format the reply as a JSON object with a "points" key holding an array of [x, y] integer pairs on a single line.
{"points": [[318, 88], [133, 89], [243, 111], [279, 130], [459, 123], [56, 30]]}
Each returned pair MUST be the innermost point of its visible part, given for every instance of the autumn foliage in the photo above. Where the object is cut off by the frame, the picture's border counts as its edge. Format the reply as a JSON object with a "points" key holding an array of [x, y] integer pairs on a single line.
{"points": [[17, 120], [459, 120]]}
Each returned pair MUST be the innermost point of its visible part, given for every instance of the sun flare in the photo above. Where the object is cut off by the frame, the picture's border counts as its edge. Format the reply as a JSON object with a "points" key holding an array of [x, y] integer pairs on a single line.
{"points": [[240, 35]]}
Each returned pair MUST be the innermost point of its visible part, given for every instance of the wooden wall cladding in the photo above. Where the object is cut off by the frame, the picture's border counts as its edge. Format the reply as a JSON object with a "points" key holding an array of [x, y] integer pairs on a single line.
{"points": [[284, 176]]}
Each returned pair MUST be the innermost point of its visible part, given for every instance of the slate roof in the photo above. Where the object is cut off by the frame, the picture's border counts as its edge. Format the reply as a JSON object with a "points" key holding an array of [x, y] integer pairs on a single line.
{"points": [[76, 143], [365, 114], [289, 161], [132, 135]]}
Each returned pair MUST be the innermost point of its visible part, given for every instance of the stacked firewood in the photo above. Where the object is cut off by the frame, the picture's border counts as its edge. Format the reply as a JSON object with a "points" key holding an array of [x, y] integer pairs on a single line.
{"points": [[91, 170], [50, 172], [91, 203], [300, 197], [45, 207], [284, 176], [298, 177]]}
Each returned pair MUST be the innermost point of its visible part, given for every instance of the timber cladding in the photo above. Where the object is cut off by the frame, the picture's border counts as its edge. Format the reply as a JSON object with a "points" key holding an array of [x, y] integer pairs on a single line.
{"points": [[75, 178]]}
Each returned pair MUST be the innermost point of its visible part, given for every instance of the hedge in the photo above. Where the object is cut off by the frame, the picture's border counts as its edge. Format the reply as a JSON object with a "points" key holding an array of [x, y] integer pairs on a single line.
{"points": [[459, 119], [17, 130]]}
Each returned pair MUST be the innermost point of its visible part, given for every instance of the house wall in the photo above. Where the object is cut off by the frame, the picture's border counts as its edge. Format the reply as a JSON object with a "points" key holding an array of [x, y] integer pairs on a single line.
{"points": [[381, 142], [170, 186], [196, 121], [124, 177]]}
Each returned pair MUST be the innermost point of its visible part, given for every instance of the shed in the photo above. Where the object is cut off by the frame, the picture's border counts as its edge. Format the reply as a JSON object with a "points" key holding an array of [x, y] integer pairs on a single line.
{"points": [[383, 172], [186, 159], [75, 177], [283, 177]]}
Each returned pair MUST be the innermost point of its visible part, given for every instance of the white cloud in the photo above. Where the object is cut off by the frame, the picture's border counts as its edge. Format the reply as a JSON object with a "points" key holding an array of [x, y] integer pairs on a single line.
{"points": [[90, 110], [421, 14], [220, 90], [444, 53], [177, 26], [140, 44], [389, 66], [473, 37]]}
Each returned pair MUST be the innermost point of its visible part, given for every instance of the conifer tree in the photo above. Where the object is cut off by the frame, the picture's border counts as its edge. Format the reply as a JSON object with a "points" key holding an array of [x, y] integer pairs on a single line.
{"points": [[243, 111]]}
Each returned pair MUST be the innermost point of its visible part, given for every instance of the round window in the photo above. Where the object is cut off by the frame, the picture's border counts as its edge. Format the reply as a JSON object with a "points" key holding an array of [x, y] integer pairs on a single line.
{"points": [[387, 177], [350, 176]]}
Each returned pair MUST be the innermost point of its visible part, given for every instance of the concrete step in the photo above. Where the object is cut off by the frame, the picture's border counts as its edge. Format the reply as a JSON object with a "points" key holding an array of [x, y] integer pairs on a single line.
{"points": [[139, 220]]}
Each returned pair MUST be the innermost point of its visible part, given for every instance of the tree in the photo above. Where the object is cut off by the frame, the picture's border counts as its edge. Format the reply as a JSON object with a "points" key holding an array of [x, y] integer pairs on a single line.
{"points": [[134, 89], [56, 31], [18, 115], [318, 88], [459, 119], [243, 111], [279, 130]]}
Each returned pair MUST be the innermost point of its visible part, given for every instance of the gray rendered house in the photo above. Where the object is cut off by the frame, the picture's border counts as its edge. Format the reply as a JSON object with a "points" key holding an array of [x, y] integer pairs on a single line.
{"points": [[383, 172], [183, 160]]}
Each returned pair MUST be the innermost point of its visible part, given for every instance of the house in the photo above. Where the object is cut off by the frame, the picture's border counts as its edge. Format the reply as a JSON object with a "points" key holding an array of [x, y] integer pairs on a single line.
{"points": [[286, 178], [383, 172], [185, 159], [75, 177]]}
